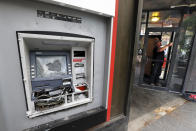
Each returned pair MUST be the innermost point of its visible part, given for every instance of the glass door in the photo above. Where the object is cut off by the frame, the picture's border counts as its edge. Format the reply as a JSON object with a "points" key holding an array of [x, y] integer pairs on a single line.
{"points": [[177, 73], [183, 76], [149, 61]]}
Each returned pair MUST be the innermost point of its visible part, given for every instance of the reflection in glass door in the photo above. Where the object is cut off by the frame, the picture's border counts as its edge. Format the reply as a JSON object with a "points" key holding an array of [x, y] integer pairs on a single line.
{"points": [[186, 37]]}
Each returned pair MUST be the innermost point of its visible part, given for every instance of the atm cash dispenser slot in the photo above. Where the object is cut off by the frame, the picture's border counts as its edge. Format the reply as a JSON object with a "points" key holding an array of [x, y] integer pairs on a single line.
{"points": [[80, 75]]}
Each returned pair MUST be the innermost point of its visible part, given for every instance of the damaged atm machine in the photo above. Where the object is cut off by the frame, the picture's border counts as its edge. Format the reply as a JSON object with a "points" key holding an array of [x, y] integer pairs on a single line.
{"points": [[54, 65]]}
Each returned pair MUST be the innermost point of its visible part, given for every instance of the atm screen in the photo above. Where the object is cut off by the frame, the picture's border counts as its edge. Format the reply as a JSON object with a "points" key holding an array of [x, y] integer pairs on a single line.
{"points": [[79, 53], [51, 66]]}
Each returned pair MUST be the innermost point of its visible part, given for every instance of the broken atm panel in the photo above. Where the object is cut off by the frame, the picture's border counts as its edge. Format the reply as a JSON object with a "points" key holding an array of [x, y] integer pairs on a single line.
{"points": [[57, 79]]}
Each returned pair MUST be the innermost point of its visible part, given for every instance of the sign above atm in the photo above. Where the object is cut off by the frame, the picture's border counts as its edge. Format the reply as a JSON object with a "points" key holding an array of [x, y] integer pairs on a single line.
{"points": [[101, 7]]}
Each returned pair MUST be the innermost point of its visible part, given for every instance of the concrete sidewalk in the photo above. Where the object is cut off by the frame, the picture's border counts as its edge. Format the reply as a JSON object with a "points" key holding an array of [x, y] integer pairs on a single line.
{"points": [[181, 119], [149, 107]]}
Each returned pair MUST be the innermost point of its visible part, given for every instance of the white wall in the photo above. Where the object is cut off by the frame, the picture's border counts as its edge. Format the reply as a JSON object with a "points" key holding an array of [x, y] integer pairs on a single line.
{"points": [[102, 7], [22, 16]]}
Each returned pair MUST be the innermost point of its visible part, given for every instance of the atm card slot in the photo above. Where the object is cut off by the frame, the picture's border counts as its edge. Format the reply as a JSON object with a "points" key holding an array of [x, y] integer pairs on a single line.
{"points": [[79, 65]]}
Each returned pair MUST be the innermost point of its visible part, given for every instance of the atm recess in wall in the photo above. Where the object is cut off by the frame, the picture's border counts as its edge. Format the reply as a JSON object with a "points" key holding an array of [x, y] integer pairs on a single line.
{"points": [[55, 71]]}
